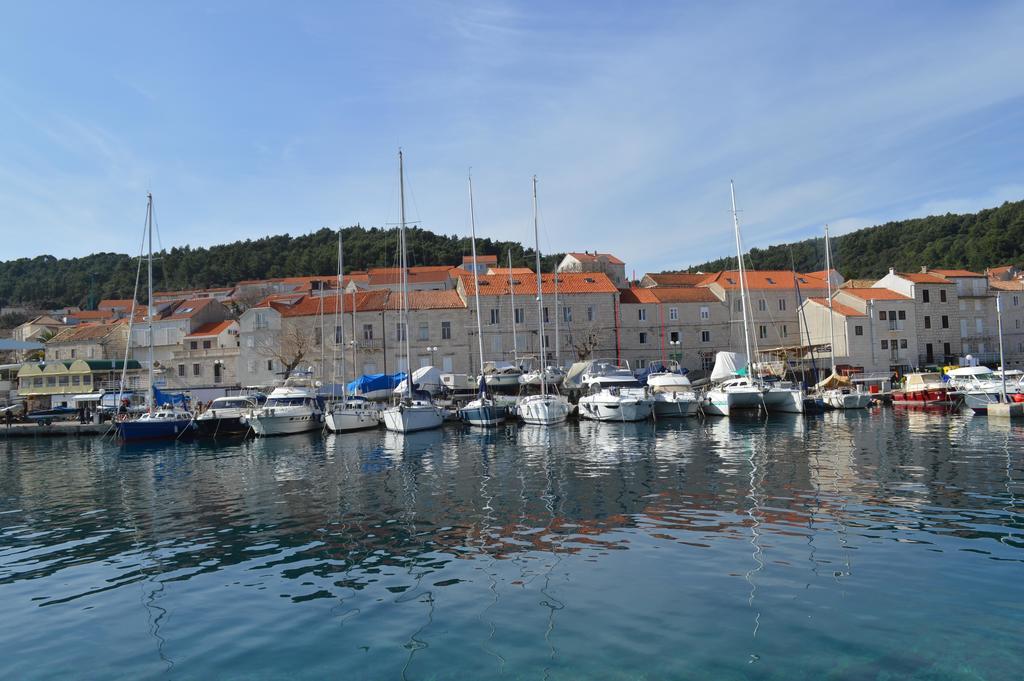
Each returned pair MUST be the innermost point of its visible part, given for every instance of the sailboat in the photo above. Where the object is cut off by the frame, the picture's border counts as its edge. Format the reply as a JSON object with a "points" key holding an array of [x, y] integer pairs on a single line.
{"points": [[482, 411], [350, 413], [161, 420], [835, 390], [544, 409], [412, 412], [735, 392]]}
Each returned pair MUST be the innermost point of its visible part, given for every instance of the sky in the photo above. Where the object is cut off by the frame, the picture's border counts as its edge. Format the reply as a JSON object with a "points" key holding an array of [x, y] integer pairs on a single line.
{"points": [[253, 118]]}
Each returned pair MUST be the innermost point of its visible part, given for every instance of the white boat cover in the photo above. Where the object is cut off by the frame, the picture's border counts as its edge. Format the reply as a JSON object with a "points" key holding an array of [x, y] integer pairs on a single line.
{"points": [[574, 378], [426, 378], [727, 364]]}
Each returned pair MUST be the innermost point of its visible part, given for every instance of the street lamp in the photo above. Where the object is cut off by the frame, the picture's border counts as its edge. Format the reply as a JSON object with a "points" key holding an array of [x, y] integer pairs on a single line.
{"points": [[432, 349]]}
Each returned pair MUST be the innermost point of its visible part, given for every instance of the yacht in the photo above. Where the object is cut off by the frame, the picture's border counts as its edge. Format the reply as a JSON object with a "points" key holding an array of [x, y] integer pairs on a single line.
{"points": [[415, 410], [673, 395], [981, 387], [617, 403], [291, 408], [605, 373], [925, 390], [501, 374], [229, 416], [551, 375], [162, 423]]}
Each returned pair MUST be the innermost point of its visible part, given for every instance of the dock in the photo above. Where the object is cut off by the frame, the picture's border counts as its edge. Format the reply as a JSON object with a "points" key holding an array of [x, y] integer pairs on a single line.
{"points": [[55, 429]]}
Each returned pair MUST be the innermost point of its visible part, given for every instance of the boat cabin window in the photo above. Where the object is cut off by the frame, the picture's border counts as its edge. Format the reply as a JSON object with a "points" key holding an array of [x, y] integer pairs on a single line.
{"points": [[286, 402]]}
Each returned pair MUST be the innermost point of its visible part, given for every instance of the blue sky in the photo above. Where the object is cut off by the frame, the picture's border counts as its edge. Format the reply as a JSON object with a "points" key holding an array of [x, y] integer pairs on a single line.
{"points": [[255, 118]]}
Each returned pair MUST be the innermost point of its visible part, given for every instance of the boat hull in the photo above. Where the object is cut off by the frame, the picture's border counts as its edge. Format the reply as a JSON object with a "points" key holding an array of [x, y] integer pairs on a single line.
{"points": [[786, 400], [841, 400], [668, 405], [285, 424], [165, 429], [543, 410], [625, 409], [486, 415], [934, 397], [724, 402], [347, 420], [226, 426], [406, 418]]}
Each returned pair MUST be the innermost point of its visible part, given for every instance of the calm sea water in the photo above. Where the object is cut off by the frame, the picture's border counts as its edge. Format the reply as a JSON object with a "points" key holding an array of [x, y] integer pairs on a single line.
{"points": [[882, 545]]}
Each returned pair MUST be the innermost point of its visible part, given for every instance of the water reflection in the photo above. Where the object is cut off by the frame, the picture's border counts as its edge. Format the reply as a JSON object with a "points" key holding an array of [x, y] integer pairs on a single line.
{"points": [[513, 550]]}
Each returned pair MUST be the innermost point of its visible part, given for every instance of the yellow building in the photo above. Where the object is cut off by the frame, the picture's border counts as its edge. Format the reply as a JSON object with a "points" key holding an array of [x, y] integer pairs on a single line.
{"points": [[59, 381]]}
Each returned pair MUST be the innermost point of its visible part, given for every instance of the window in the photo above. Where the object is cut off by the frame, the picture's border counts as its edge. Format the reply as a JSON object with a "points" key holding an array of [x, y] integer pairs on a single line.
{"points": [[250, 342], [641, 314], [260, 321], [63, 380], [424, 333], [643, 338], [942, 295], [945, 349], [784, 331], [882, 315], [76, 380], [446, 331], [546, 320], [902, 314], [739, 305], [181, 369], [673, 313], [367, 332], [1016, 301], [337, 334], [707, 362], [705, 336], [521, 314], [56, 354], [903, 343], [72, 353], [51, 381], [762, 332], [858, 330], [197, 370], [641, 364], [925, 296], [762, 305], [318, 335], [590, 313], [400, 331], [193, 345], [270, 365], [963, 328], [977, 306], [782, 304], [567, 314], [705, 312], [496, 344], [495, 316], [885, 345], [673, 337], [207, 344], [927, 322], [216, 373], [447, 364], [945, 322]]}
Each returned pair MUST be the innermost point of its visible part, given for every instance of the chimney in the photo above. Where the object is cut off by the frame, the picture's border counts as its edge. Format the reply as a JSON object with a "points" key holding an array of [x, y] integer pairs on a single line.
{"points": [[892, 270], [924, 269]]}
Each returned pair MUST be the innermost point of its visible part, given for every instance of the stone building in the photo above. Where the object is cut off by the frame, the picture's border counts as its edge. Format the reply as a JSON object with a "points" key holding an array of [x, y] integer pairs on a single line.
{"points": [[89, 341], [937, 314], [603, 263]]}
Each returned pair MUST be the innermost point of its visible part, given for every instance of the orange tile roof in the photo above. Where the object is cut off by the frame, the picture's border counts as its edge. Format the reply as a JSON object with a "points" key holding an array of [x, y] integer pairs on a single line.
{"points": [[667, 279], [1013, 285], [84, 332], [697, 294], [187, 309], [637, 296], [765, 279], [115, 303], [93, 314], [307, 305], [392, 276], [956, 273], [480, 259], [875, 293], [923, 278], [427, 300], [506, 271], [839, 308], [212, 328], [593, 257], [569, 283]]}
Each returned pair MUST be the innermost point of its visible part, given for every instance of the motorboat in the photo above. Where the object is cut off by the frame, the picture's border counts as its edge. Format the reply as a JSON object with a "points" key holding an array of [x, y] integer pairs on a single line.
{"points": [[925, 390], [980, 387], [229, 416], [163, 423], [604, 373], [673, 394], [543, 410], [351, 413], [617, 403], [551, 375], [291, 408], [501, 374], [738, 393]]}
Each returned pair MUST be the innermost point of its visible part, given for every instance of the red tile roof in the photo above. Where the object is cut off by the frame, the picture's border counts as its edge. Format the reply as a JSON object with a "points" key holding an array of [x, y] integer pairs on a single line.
{"points": [[480, 259], [417, 275], [83, 332], [923, 278], [187, 309], [505, 271], [115, 304], [698, 294], [212, 328], [307, 305], [637, 296], [1012, 285], [93, 315], [667, 279], [427, 300], [765, 279], [839, 308], [875, 293], [569, 283], [593, 257]]}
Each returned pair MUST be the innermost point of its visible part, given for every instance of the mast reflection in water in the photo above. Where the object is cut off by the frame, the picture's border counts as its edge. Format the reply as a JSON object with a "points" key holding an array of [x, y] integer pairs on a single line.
{"points": [[885, 544]]}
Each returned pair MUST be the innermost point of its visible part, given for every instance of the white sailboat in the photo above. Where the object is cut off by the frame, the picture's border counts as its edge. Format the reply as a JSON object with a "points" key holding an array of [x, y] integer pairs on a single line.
{"points": [[411, 413], [836, 390], [738, 392], [543, 409], [482, 411], [348, 414]]}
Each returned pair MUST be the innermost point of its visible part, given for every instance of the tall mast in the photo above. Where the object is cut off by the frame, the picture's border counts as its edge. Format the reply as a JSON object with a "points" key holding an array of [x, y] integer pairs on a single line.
{"points": [[149, 299], [512, 292], [558, 313], [743, 283], [476, 285], [540, 291], [341, 317], [405, 273], [831, 320], [1002, 361]]}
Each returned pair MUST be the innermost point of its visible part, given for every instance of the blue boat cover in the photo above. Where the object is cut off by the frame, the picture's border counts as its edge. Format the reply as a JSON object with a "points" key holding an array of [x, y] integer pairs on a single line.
{"points": [[373, 382], [175, 399]]}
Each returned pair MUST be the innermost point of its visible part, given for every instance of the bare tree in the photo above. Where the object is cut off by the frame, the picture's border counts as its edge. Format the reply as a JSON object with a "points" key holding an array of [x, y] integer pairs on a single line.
{"points": [[289, 348], [586, 338], [248, 297]]}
